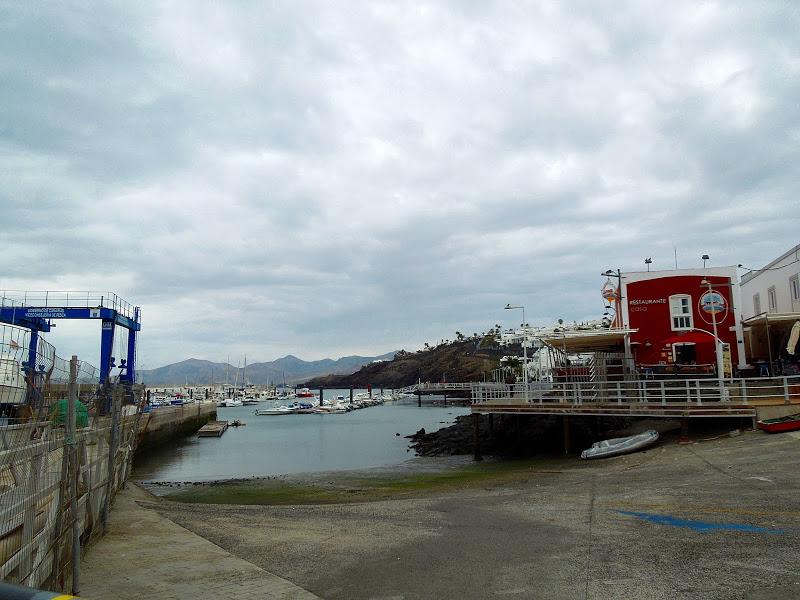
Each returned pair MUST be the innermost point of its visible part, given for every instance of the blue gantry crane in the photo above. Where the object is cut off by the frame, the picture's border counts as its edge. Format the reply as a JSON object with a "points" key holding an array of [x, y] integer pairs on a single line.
{"points": [[36, 310]]}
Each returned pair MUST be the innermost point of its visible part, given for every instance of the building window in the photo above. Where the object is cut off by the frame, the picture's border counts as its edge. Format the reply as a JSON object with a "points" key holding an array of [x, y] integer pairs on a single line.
{"points": [[756, 304], [794, 288], [772, 300], [680, 309]]}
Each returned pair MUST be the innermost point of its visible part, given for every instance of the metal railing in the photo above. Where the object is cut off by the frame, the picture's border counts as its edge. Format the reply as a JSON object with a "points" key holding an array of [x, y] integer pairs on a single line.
{"points": [[444, 386], [756, 390], [67, 299]]}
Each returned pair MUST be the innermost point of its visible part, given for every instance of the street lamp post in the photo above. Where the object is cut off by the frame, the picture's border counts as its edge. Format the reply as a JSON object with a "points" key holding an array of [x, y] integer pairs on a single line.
{"points": [[524, 349], [628, 363], [717, 349]]}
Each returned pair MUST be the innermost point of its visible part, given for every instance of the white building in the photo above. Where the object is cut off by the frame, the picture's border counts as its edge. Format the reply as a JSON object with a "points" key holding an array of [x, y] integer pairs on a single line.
{"points": [[773, 289], [771, 310]]}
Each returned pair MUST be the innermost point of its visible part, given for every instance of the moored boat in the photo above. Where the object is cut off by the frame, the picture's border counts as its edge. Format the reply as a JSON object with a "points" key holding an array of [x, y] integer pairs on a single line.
{"points": [[781, 424], [274, 412], [617, 446]]}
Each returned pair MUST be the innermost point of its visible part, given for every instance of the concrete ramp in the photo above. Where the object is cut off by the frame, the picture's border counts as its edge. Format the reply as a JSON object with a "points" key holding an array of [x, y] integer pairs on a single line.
{"points": [[145, 555]]}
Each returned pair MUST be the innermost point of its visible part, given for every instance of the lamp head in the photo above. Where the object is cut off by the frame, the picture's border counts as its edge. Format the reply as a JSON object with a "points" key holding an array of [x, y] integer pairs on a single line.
{"points": [[508, 306], [705, 257]]}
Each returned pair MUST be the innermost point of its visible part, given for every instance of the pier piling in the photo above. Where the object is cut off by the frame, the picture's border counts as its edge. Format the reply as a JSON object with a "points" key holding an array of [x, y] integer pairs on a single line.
{"points": [[684, 439], [351, 394], [321, 396], [476, 420]]}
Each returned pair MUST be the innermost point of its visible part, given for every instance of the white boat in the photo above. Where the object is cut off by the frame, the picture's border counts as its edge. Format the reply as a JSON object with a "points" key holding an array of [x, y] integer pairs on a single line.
{"points": [[273, 412], [337, 408], [616, 446], [231, 402]]}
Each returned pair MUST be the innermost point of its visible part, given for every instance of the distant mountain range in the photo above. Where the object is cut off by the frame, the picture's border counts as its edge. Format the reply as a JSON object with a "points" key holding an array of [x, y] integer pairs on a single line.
{"points": [[289, 368]]}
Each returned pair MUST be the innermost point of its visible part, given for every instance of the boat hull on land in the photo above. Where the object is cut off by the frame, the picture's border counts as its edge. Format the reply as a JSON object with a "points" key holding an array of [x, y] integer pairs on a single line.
{"points": [[617, 446], [779, 425]]}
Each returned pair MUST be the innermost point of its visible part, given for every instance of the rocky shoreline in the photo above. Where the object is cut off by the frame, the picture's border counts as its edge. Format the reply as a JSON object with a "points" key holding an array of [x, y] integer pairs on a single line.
{"points": [[517, 435]]}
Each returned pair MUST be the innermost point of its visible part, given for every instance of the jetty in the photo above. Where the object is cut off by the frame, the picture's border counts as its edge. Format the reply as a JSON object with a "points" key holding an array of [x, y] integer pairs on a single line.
{"points": [[213, 429]]}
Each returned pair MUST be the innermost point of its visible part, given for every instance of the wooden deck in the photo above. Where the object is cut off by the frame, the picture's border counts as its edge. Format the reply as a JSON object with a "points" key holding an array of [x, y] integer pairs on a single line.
{"points": [[213, 429], [613, 409]]}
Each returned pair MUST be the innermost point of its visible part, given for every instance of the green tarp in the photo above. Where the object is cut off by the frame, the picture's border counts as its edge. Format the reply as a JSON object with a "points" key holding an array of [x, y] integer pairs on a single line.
{"points": [[58, 413]]}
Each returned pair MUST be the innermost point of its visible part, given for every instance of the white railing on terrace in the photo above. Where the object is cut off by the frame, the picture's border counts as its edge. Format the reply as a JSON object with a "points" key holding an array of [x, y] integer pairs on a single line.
{"points": [[444, 386], [66, 299], [768, 390]]}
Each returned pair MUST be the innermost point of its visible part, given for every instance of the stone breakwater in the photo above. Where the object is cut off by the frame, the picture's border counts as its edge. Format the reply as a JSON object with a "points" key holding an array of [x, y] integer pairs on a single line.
{"points": [[167, 423]]}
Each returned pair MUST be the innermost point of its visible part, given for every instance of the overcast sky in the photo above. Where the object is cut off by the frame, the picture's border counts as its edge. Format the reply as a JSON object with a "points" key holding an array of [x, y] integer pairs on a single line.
{"points": [[331, 178]]}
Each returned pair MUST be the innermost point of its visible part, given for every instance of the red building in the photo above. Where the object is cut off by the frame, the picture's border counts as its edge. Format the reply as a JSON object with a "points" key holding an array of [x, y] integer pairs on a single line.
{"points": [[674, 313]]}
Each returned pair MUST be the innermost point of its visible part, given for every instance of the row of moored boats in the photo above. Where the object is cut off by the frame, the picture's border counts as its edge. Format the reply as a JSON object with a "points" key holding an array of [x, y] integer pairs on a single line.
{"points": [[339, 405]]}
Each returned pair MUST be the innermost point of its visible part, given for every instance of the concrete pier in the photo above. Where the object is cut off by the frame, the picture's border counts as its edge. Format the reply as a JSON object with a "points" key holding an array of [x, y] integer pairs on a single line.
{"points": [[167, 423]]}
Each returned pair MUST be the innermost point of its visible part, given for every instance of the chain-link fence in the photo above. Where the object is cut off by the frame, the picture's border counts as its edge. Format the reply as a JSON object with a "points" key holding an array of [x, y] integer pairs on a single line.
{"points": [[66, 447]]}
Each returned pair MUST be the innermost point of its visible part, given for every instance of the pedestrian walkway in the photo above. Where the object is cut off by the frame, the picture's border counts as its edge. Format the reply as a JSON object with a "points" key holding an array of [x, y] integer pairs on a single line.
{"points": [[145, 555]]}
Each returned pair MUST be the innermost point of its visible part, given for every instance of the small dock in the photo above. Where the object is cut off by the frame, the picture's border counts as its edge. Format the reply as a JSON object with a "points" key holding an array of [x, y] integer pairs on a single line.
{"points": [[213, 429]]}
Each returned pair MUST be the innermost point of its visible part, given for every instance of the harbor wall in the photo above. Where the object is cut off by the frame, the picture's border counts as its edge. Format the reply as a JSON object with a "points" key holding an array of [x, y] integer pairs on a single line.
{"points": [[168, 423]]}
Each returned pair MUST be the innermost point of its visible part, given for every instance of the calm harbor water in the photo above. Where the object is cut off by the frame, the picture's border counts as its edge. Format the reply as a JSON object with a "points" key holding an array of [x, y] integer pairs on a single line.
{"points": [[297, 443]]}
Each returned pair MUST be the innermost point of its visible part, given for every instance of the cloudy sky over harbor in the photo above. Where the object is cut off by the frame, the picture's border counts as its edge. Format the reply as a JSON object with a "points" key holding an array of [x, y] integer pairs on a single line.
{"points": [[333, 178]]}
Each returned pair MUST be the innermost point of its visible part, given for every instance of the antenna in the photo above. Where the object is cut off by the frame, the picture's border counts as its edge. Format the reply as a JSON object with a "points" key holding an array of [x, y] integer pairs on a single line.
{"points": [[675, 249]]}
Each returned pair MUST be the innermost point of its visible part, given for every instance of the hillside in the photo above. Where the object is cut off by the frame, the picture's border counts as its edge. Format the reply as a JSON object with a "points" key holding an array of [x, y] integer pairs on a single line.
{"points": [[289, 368], [467, 360]]}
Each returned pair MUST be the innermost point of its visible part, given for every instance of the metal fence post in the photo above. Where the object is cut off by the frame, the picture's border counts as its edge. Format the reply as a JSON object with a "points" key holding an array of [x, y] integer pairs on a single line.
{"points": [[112, 456], [786, 390], [69, 443]]}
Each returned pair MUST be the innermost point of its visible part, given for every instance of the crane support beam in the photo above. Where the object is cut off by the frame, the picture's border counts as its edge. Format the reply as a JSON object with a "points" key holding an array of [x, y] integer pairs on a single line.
{"points": [[38, 319]]}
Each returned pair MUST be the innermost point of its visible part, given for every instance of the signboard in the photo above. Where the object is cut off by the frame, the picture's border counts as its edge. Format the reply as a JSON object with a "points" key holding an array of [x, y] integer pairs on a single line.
{"points": [[44, 312], [727, 364], [713, 302], [713, 306]]}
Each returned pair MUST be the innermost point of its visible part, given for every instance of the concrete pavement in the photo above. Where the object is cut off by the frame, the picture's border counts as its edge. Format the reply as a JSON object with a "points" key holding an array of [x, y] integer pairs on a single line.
{"points": [[145, 555], [719, 519]]}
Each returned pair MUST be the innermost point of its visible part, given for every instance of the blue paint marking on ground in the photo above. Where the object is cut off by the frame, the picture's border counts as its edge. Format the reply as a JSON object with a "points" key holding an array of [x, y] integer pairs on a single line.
{"points": [[697, 525]]}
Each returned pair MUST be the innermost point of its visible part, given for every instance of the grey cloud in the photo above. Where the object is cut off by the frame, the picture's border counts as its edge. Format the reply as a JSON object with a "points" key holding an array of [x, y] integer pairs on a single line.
{"points": [[305, 179]]}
